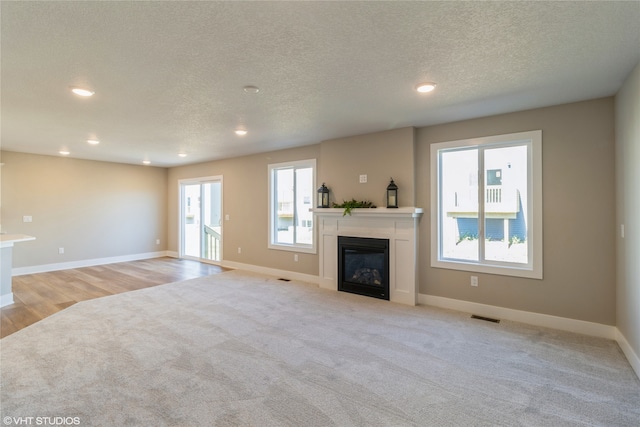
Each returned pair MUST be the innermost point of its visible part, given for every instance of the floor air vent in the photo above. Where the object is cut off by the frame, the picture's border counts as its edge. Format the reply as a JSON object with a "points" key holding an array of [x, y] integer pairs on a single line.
{"points": [[488, 319]]}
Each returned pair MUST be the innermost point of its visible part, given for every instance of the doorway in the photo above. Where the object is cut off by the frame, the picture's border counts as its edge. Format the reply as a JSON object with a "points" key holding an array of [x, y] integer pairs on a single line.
{"points": [[201, 219]]}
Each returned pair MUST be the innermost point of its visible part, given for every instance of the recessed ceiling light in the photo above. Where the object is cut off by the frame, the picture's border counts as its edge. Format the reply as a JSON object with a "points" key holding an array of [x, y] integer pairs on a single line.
{"points": [[426, 87], [93, 141], [241, 132], [146, 162], [251, 89], [64, 152], [82, 92], [182, 154]]}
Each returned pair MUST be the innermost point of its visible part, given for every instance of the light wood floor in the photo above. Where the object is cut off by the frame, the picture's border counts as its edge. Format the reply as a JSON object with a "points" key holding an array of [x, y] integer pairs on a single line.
{"points": [[37, 296]]}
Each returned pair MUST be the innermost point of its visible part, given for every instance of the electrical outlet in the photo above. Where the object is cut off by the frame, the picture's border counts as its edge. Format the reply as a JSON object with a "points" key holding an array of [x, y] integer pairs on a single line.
{"points": [[295, 257], [239, 250], [157, 241], [474, 280], [60, 251], [226, 217], [27, 218], [363, 179]]}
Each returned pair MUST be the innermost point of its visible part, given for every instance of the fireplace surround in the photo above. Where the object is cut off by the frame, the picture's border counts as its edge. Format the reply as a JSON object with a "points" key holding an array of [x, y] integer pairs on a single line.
{"points": [[398, 226]]}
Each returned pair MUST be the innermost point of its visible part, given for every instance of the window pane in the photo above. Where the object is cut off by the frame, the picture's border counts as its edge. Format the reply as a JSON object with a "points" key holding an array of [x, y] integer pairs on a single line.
{"points": [[284, 206], [505, 171], [459, 204], [192, 220], [304, 196], [291, 195]]}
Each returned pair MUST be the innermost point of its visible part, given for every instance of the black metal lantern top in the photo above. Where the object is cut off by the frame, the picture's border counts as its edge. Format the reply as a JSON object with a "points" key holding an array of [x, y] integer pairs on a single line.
{"points": [[392, 195], [323, 196]]}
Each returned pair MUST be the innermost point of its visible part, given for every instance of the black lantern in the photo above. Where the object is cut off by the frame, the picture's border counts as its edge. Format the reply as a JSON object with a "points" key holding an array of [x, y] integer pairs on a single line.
{"points": [[392, 195], [323, 196]]}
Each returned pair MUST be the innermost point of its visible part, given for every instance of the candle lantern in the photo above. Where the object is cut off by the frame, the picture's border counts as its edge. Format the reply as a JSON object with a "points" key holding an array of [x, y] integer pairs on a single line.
{"points": [[323, 196], [392, 195]]}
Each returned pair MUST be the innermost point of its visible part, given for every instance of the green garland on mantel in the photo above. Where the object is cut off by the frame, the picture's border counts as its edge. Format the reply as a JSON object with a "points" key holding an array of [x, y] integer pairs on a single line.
{"points": [[353, 204]]}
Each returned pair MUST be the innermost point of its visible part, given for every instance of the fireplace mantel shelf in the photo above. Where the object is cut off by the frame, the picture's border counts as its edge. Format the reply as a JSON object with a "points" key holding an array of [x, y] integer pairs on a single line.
{"points": [[372, 212]]}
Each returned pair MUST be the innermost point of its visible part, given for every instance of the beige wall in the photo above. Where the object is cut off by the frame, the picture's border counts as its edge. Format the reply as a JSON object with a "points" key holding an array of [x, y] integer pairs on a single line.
{"points": [[245, 200], [340, 162], [579, 200], [91, 209], [628, 208], [578, 214], [380, 156]]}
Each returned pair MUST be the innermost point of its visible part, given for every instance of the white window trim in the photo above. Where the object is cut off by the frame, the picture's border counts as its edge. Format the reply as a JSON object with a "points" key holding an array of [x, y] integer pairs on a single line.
{"points": [[302, 248], [534, 269]]}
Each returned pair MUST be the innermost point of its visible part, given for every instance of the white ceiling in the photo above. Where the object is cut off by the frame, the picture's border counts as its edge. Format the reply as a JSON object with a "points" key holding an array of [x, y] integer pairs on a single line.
{"points": [[169, 76]]}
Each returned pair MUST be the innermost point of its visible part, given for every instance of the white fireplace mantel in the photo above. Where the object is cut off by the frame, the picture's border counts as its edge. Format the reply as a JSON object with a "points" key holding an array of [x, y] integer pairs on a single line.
{"points": [[399, 225]]}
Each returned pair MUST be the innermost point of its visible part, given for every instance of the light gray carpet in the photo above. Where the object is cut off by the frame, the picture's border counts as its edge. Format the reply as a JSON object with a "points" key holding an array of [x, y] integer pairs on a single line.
{"points": [[240, 349]]}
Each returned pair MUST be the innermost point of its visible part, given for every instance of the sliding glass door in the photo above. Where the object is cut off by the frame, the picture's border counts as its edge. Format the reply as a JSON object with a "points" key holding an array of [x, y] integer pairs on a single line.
{"points": [[201, 219]]}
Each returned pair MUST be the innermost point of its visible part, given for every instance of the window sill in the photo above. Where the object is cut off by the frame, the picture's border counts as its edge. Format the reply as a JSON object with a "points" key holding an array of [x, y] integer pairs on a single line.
{"points": [[512, 271], [307, 249]]}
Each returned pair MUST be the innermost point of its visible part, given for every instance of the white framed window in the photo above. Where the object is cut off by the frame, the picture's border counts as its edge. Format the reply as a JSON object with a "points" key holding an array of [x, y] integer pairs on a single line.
{"points": [[291, 196], [486, 198]]}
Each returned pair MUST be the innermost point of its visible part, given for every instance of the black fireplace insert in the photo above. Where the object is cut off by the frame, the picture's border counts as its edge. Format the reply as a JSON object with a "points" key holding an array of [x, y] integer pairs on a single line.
{"points": [[363, 266]]}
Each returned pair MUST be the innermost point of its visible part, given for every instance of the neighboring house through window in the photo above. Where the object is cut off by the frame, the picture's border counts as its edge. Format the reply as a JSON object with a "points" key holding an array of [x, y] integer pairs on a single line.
{"points": [[487, 199], [291, 194]]}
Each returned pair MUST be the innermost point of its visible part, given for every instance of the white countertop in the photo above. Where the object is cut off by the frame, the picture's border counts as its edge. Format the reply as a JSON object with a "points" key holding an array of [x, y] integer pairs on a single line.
{"points": [[7, 240]]}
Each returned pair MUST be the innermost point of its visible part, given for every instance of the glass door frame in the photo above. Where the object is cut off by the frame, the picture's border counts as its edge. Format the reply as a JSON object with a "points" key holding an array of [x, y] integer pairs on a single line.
{"points": [[181, 216]]}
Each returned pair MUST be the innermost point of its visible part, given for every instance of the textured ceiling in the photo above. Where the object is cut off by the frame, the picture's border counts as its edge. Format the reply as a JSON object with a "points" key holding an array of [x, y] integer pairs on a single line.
{"points": [[169, 76]]}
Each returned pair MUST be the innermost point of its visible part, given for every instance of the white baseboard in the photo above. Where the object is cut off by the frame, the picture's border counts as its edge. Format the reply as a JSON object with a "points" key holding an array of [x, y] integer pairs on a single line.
{"points": [[285, 274], [6, 299], [632, 357], [537, 319], [21, 271]]}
